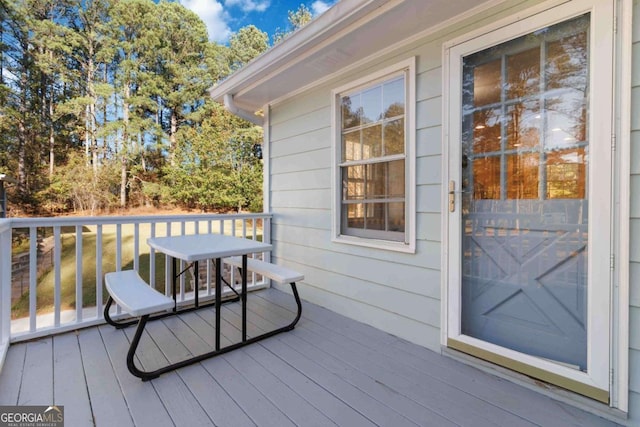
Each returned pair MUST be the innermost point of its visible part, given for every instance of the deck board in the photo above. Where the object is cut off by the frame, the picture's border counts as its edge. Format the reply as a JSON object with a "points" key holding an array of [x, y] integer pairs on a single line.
{"points": [[36, 373], [145, 406], [68, 381], [11, 375], [328, 371], [107, 400]]}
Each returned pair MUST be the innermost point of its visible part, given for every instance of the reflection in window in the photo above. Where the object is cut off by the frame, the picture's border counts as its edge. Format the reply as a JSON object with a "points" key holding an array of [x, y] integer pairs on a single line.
{"points": [[566, 174], [523, 176], [525, 116], [486, 176], [374, 137]]}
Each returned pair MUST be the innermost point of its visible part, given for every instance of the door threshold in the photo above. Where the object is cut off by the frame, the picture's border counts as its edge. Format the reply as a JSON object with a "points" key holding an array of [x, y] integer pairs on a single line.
{"points": [[554, 392]]}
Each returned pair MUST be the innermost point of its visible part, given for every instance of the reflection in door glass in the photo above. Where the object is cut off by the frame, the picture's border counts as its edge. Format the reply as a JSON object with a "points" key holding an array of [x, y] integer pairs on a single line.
{"points": [[525, 153]]}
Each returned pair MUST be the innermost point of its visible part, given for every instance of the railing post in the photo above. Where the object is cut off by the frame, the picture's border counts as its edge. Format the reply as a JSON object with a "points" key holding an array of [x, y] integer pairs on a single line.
{"points": [[5, 288]]}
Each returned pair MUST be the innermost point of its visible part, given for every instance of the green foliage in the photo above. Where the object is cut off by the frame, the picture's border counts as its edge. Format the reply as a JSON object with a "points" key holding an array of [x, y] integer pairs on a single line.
{"points": [[77, 187], [297, 19], [246, 44], [214, 167], [104, 104]]}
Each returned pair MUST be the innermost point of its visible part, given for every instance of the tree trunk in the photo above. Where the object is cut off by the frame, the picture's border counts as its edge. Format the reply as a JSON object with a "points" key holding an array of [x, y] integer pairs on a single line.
{"points": [[91, 109], [172, 137], [125, 144]]}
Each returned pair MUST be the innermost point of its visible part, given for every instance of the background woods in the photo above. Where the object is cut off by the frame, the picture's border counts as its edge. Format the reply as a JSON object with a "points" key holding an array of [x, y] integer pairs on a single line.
{"points": [[104, 104]]}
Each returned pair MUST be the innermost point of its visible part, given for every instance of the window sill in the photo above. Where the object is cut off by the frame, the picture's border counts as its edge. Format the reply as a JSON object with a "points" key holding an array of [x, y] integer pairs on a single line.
{"points": [[376, 244]]}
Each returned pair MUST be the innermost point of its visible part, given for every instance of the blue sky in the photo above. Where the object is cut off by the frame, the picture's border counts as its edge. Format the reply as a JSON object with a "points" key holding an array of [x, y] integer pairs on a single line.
{"points": [[224, 17]]}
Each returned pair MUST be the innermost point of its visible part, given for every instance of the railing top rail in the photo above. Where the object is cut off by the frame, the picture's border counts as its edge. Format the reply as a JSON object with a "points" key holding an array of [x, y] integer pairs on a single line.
{"points": [[94, 220]]}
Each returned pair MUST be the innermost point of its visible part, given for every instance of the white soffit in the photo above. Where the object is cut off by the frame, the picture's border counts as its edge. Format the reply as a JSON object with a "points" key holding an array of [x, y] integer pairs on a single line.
{"points": [[350, 31]]}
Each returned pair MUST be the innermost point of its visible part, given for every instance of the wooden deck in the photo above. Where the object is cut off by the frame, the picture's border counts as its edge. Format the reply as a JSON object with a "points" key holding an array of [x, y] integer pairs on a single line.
{"points": [[329, 371]]}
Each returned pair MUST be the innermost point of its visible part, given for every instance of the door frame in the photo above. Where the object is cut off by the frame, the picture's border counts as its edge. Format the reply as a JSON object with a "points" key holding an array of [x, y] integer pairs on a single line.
{"points": [[609, 303]]}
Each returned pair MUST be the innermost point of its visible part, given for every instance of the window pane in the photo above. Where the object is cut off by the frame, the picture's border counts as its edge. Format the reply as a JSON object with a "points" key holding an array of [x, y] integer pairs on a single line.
{"points": [[394, 137], [486, 83], [353, 183], [351, 148], [372, 105], [377, 181], [396, 185], [522, 176], [486, 178], [523, 125], [486, 131], [375, 216], [567, 61], [350, 111], [372, 142], [393, 98], [566, 120], [396, 216], [354, 215], [566, 174], [523, 73]]}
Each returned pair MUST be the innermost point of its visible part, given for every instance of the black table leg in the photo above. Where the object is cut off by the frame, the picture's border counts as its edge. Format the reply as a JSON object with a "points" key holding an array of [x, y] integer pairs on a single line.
{"points": [[196, 273], [218, 300], [244, 298], [174, 283]]}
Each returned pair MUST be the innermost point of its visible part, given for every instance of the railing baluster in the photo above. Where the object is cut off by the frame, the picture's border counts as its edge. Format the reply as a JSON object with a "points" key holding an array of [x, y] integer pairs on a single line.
{"points": [[168, 280], [78, 273], [118, 247], [118, 256], [33, 276], [99, 313], [152, 258], [5, 288], [57, 280], [136, 246]]}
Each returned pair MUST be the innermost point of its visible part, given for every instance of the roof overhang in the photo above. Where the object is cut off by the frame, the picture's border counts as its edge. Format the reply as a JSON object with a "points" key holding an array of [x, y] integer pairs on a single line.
{"points": [[348, 33]]}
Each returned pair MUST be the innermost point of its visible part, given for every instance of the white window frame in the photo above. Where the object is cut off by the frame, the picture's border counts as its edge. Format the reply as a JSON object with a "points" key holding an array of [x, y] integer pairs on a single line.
{"points": [[620, 243], [408, 68]]}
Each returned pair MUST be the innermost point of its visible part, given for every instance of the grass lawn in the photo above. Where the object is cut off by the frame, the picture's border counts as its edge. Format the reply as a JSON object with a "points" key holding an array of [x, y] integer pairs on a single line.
{"points": [[45, 287]]}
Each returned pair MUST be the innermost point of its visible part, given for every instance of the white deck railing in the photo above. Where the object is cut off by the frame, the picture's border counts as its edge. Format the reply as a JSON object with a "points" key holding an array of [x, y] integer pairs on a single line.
{"points": [[5, 288], [57, 281]]}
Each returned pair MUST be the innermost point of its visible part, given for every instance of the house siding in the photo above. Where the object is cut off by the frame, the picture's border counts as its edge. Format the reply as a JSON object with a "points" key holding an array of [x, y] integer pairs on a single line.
{"points": [[397, 292]]}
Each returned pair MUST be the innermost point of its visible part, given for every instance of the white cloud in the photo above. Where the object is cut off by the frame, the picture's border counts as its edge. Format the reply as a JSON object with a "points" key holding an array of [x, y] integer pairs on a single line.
{"points": [[319, 6], [213, 15], [249, 5]]}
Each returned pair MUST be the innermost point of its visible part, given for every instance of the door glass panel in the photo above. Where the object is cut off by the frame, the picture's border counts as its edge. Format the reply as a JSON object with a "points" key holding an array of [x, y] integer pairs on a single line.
{"points": [[523, 73], [525, 153]]}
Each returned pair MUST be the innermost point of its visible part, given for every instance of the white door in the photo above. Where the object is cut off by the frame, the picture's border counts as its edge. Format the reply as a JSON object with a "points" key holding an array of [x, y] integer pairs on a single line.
{"points": [[530, 195]]}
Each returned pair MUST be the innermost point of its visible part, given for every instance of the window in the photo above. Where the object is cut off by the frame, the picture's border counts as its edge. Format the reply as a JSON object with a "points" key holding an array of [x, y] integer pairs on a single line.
{"points": [[372, 123]]}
